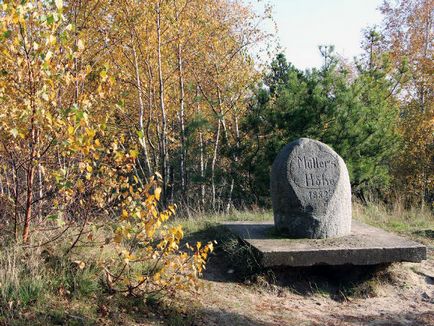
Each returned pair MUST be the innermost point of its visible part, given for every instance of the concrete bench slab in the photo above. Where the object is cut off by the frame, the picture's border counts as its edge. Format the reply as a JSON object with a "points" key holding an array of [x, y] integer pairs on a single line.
{"points": [[366, 245]]}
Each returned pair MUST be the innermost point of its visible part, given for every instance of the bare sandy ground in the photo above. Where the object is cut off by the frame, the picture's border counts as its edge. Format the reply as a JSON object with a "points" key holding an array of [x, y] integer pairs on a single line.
{"points": [[403, 295]]}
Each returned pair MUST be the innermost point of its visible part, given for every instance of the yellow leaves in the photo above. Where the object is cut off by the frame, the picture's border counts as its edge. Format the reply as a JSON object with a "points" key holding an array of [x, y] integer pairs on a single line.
{"points": [[80, 186], [118, 238], [88, 69], [150, 231], [158, 175], [51, 40], [48, 56], [81, 166], [136, 180], [140, 235], [80, 45], [103, 75], [157, 277], [134, 153], [172, 209], [127, 256], [177, 232], [14, 132], [164, 216], [90, 132], [16, 18], [80, 264], [59, 4], [140, 221], [157, 193]]}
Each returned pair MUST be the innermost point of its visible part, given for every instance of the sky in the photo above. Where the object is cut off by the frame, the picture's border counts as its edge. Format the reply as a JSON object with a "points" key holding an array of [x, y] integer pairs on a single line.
{"points": [[303, 25]]}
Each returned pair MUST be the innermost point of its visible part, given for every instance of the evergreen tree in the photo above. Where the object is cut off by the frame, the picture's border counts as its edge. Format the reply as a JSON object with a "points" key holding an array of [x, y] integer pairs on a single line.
{"points": [[352, 111]]}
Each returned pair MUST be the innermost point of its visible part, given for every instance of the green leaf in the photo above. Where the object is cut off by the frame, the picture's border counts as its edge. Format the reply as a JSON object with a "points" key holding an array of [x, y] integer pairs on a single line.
{"points": [[50, 20], [103, 74], [52, 217], [7, 34]]}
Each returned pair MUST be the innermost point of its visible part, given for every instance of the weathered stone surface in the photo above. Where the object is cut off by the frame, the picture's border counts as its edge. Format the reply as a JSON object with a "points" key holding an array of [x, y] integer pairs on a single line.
{"points": [[311, 192], [366, 245]]}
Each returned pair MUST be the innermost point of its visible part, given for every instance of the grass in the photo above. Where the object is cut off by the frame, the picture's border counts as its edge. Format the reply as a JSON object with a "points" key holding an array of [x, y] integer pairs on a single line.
{"points": [[40, 286], [200, 223], [414, 222], [370, 282], [33, 282]]}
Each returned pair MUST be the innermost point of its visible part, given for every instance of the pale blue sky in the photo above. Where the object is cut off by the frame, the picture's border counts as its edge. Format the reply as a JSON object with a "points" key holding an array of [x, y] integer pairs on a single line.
{"points": [[305, 24]]}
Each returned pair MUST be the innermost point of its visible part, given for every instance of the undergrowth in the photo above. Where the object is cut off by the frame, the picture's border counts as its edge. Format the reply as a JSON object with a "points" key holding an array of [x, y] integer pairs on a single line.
{"points": [[43, 286], [415, 222]]}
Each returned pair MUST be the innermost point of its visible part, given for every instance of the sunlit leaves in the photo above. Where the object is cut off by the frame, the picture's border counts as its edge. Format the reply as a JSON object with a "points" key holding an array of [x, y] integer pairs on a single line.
{"points": [[408, 37], [59, 4], [80, 45], [143, 237]]}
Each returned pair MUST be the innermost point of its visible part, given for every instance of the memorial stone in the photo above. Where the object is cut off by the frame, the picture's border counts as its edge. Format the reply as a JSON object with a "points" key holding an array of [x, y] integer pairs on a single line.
{"points": [[311, 192]]}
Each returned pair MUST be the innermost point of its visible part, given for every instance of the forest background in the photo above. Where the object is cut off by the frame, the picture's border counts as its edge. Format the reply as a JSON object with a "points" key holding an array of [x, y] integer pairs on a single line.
{"points": [[176, 85], [114, 114]]}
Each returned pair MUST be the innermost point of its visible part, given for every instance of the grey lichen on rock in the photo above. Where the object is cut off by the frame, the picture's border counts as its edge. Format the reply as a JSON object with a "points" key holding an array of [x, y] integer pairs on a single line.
{"points": [[311, 192]]}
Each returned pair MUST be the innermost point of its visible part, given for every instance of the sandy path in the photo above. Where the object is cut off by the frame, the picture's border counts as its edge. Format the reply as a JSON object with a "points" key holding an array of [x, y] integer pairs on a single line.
{"points": [[406, 299]]}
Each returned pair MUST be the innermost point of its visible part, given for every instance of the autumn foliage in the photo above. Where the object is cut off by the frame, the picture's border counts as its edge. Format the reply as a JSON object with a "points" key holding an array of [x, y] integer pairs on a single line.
{"points": [[113, 111], [67, 160]]}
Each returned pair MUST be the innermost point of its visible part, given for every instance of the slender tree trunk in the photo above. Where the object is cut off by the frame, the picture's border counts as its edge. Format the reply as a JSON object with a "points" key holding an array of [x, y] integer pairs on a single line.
{"points": [[8, 186], [202, 155], [16, 201], [29, 199], [30, 173], [163, 153], [41, 190], [30, 177], [202, 171], [213, 164], [183, 155], [2, 191], [223, 124], [182, 119], [142, 139], [150, 117], [76, 85], [231, 189]]}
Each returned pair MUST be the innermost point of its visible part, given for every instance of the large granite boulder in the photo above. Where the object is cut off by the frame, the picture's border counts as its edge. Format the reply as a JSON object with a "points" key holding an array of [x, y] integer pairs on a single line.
{"points": [[311, 192]]}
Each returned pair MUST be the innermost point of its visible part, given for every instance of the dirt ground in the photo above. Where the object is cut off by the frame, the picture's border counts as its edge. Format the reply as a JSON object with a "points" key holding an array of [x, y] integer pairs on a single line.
{"points": [[400, 294]]}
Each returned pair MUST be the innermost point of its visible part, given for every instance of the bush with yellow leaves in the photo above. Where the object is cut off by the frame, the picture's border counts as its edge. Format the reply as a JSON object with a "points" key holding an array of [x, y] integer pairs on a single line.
{"points": [[71, 166], [148, 257]]}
